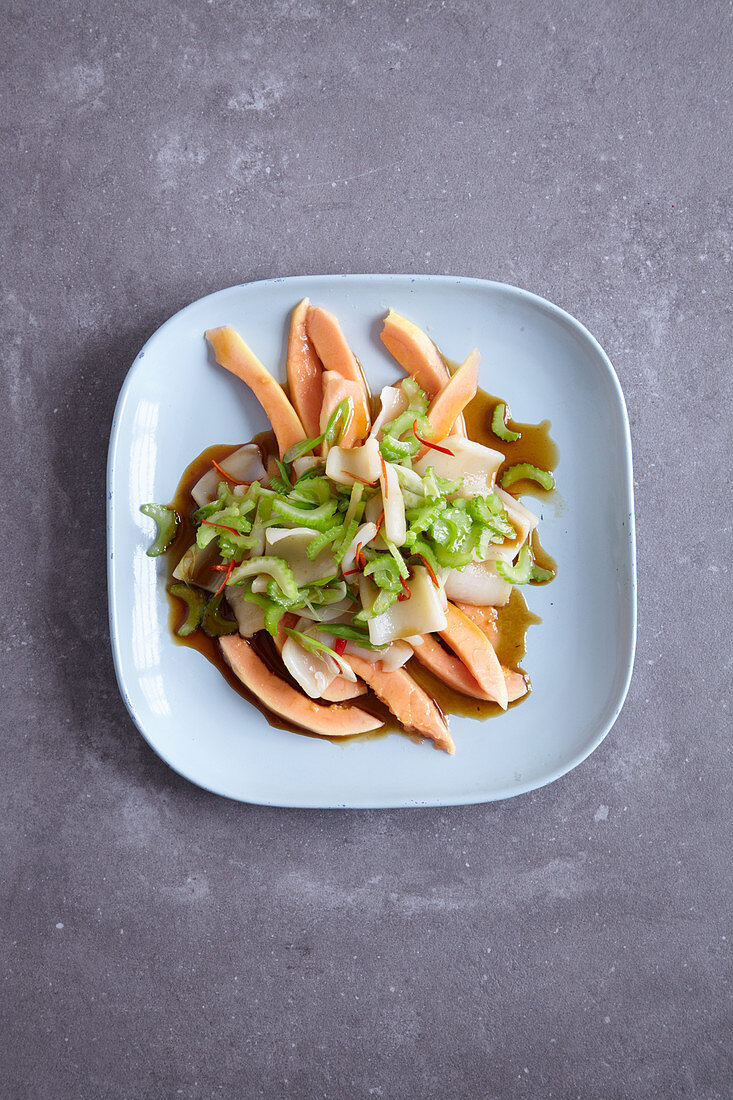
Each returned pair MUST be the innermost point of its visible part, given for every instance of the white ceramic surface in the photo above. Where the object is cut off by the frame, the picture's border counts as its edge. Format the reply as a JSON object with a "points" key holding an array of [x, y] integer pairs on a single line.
{"points": [[175, 402]]}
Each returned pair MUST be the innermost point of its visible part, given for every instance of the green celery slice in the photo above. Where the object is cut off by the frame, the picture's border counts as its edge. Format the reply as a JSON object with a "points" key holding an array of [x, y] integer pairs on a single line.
{"points": [[213, 622], [194, 598], [166, 519], [277, 568], [520, 572], [498, 424], [526, 471]]}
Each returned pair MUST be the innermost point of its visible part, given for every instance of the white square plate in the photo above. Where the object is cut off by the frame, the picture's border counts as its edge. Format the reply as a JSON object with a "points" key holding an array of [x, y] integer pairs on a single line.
{"points": [[174, 403]]}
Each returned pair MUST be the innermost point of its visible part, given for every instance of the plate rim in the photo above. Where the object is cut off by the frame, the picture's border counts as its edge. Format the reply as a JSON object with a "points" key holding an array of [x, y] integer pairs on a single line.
{"points": [[375, 802]]}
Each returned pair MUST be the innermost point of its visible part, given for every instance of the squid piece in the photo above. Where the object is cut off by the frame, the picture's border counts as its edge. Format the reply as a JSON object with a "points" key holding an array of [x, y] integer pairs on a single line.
{"points": [[233, 354], [244, 466], [339, 690]]}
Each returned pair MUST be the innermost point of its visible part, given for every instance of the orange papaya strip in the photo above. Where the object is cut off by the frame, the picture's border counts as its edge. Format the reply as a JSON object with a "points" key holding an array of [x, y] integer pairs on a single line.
{"points": [[341, 690], [233, 354], [454, 673], [470, 643], [412, 706], [484, 617], [335, 354], [304, 372], [335, 389], [279, 697], [446, 408], [415, 352]]}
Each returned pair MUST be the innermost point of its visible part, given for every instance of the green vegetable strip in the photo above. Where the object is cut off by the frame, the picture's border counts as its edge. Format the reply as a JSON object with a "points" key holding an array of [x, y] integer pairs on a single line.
{"points": [[395, 450], [526, 471], [385, 572], [540, 575], [498, 425], [520, 572], [350, 634], [342, 546], [213, 622], [339, 422], [320, 542], [416, 397], [455, 557], [273, 615], [193, 597], [357, 492], [400, 561], [276, 568], [302, 448], [167, 522], [316, 518]]}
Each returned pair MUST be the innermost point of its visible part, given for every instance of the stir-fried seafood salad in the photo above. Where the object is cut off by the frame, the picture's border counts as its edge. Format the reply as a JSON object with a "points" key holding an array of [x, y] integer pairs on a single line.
{"points": [[367, 539]]}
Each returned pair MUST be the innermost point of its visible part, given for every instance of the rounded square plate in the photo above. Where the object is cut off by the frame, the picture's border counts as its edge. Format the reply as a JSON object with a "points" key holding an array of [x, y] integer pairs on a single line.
{"points": [[174, 403]]}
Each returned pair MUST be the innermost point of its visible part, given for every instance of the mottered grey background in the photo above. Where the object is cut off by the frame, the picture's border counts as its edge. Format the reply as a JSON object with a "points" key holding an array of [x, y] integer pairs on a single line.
{"points": [[158, 941]]}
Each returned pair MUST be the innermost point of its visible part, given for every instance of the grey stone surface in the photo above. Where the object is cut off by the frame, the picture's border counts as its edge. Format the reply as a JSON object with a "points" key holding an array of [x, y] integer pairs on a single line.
{"points": [[158, 941]]}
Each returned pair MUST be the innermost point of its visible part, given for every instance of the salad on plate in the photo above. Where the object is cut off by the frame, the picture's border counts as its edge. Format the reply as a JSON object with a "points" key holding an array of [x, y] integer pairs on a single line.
{"points": [[364, 555]]}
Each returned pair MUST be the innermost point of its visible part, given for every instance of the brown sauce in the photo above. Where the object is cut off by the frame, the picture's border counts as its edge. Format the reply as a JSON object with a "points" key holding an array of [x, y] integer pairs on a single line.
{"points": [[535, 446]]}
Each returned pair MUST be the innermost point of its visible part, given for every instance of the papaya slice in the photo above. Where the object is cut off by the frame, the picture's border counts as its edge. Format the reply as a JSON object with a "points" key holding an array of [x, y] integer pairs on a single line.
{"points": [[469, 642], [446, 408], [286, 702], [412, 706], [415, 352], [484, 617], [454, 673], [304, 371], [334, 352], [233, 354], [335, 389]]}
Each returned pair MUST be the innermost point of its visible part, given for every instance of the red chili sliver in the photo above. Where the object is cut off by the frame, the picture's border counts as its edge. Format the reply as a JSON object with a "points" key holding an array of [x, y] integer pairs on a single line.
{"points": [[350, 572], [427, 443], [227, 476], [380, 521], [223, 583], [339, 646], [224, 568], [221, 526], [363, 480], [405, 594], [430, 570], [384, 474]]}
